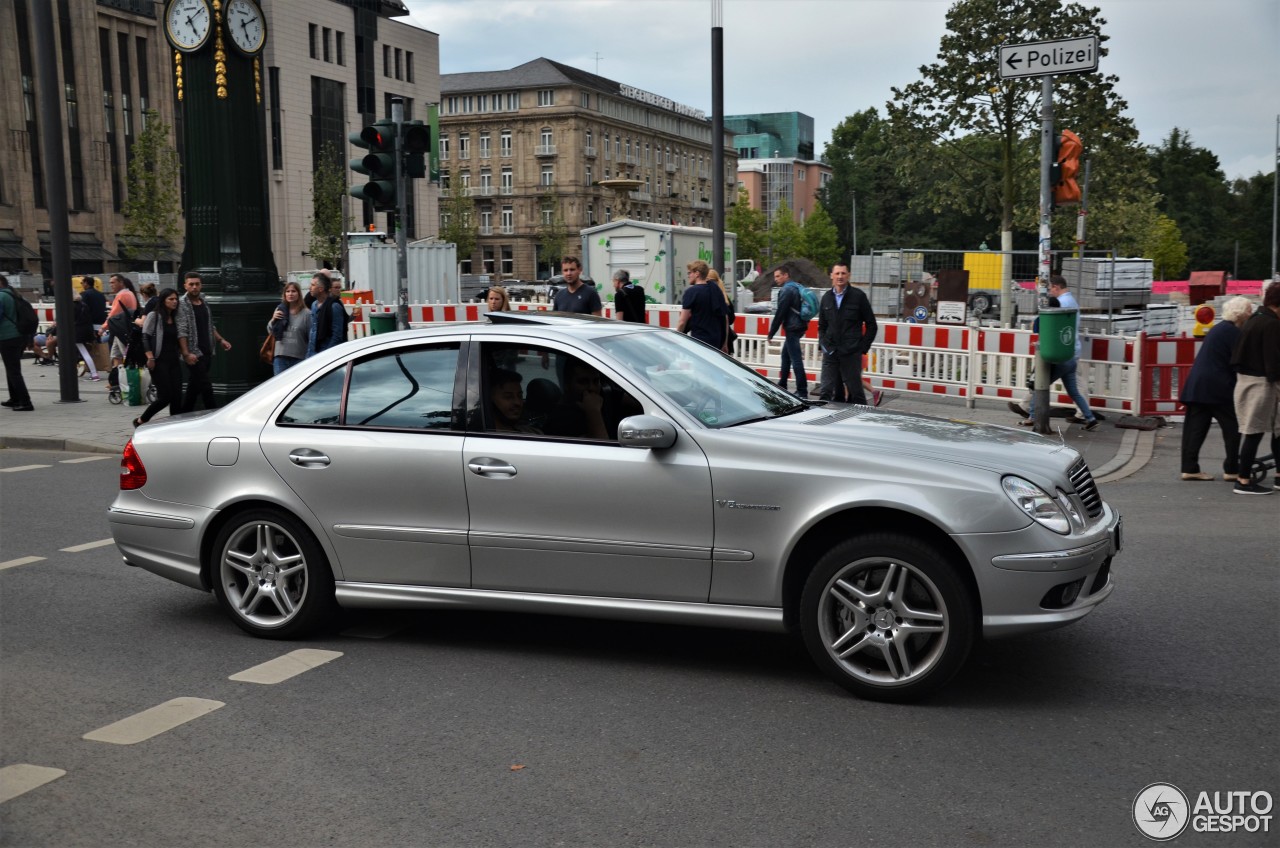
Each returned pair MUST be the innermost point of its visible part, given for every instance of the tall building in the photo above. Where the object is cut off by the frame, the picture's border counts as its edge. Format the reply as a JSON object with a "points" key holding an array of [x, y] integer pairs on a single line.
{"points": [[332, 67], [788, 135], [769, 182], [113, 65], [533, 141]]}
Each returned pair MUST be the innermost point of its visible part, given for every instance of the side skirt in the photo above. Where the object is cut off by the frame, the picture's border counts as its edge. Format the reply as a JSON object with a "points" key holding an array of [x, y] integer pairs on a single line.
{"points": [[385, 596]]}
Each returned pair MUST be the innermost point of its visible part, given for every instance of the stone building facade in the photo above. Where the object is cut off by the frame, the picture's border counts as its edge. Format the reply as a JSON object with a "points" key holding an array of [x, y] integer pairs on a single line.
{"points": [[526, 142], [113, 65]]}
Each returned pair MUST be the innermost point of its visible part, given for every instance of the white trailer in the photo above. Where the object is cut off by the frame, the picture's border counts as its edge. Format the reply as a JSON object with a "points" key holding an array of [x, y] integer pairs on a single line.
{"points": [[433, 272], [654, 254]]}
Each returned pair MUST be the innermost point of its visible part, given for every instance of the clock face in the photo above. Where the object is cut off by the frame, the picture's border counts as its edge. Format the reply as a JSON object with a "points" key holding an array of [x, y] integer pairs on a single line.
{"points": [[245, 24], [188, 23]]}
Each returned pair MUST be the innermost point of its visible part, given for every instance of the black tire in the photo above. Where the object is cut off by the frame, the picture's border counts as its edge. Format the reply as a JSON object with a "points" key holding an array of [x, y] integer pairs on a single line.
{"points": [[271, 576], [861, 600]]}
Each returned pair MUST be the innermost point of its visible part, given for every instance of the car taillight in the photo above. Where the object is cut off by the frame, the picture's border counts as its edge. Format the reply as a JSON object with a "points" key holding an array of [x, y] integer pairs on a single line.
{"points": [[133, 475]]}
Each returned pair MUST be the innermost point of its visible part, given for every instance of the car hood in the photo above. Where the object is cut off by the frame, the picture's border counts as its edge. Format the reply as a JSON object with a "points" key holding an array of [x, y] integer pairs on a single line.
{"points": [[954, 440]]}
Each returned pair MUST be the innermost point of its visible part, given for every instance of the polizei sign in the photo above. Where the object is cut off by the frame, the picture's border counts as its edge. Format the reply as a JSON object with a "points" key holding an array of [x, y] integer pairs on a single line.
{"points": [[1045, 58]]}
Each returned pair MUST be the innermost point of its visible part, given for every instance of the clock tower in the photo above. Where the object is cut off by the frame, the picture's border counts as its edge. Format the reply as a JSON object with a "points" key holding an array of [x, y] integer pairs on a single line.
{"points": [[217, 47]]}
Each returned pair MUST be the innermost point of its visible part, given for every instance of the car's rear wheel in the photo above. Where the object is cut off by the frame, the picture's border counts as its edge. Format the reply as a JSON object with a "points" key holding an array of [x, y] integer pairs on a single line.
{"points": [[887, 617], [271, 576]]}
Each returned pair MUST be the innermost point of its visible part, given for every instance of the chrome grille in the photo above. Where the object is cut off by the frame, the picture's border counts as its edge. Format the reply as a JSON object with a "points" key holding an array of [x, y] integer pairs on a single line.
{"points": [[840, 416], [1082, 482]]}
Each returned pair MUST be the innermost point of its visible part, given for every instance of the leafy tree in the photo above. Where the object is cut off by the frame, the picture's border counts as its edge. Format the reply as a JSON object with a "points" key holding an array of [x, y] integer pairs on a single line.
{"points": [[969, 141], [1166, 249], [750, 226], [553, 234], [821, 244], [458, 225], [1196, 195], [786, 240], [328, 187], [1251, 202], [153, 207]]}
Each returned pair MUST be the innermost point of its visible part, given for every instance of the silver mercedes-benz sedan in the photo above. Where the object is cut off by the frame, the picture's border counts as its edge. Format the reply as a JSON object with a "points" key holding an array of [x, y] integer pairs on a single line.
{"points": [[577, 466]]}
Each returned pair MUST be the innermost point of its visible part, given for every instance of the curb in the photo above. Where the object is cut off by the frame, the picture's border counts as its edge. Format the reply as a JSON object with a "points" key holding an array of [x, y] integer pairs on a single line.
{"points": [[42, 443], [1136, 449]]}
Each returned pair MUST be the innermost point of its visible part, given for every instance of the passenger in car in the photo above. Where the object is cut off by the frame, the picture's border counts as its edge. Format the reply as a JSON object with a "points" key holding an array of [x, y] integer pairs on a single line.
{"points": [[507, 402], [580, 413]]}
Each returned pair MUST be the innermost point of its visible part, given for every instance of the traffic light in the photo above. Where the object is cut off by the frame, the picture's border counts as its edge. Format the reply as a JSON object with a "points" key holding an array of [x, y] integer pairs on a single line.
{"points": [[379, 165], [414, 145], [1065, 167]]}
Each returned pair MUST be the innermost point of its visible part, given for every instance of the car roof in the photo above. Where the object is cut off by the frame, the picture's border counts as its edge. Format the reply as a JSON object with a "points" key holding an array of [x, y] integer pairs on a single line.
{"points": [[570, 323]]}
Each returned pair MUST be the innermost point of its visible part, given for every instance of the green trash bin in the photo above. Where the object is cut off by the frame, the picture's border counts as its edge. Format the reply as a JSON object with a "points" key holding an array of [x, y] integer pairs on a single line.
{"points": [[1057, 334], [382, 322]]}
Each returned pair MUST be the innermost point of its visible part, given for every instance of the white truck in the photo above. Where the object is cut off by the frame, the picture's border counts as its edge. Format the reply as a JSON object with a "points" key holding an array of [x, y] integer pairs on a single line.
{"points": [[654, 254]]}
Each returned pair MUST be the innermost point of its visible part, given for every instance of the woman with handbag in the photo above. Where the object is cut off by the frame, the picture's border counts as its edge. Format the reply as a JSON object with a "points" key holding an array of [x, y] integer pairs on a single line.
{"points": [[288, 331], [731, 337], [160, 339]]}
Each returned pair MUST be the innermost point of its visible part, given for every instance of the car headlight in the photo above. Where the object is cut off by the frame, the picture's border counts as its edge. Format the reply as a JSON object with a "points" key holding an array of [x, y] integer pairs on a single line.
{"points": [[1037, 504]]}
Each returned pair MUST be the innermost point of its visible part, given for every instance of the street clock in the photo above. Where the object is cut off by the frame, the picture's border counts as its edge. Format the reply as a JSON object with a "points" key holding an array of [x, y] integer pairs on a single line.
{"points": [[188, 24], [246, 25]]}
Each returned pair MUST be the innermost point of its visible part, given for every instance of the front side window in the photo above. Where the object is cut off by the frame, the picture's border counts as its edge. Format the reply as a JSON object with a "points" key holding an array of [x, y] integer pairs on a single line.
{"points": [[537, 391], [405, 389]]}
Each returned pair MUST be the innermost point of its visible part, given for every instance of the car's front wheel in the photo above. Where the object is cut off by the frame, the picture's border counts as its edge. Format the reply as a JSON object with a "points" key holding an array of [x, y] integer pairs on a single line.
{"points": [[271, 576], [887, 617]]}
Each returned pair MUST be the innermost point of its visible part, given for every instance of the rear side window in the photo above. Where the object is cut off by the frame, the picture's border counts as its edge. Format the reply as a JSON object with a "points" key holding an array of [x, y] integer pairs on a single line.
{"points": [[320, 404], [405, 389], [410, 390]]}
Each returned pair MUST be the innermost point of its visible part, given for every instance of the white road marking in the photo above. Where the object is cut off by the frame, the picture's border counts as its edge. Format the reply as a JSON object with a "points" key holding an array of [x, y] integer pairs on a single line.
{"points": [[87, 459], [142, 726], [20, 561], [20, 779], [289, 665], [23, 468], [372, 631], [75, 549]]}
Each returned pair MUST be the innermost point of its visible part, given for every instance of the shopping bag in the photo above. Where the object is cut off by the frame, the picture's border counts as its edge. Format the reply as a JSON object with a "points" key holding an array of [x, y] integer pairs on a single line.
{"points": [[135, 386]]}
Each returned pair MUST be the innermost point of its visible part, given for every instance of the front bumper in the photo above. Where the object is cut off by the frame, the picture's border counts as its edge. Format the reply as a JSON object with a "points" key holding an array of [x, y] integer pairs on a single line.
{"points": [[1029, 586]]}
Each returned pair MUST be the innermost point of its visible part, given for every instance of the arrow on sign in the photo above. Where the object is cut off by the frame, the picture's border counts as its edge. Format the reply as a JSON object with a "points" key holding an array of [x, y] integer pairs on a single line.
{"points": [[1013, 61]]}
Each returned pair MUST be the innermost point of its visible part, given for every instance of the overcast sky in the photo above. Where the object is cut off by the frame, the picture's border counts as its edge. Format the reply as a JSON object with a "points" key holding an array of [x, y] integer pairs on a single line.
{"points": [[1211, 67]]}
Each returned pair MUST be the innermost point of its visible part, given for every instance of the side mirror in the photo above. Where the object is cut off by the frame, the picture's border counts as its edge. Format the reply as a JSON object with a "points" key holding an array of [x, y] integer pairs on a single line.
{"points": [[646, 431]]}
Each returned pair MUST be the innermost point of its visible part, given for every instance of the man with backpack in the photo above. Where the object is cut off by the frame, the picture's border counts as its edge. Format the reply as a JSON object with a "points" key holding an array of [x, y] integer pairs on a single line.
{"points": [[15, 333], [796, 306]]}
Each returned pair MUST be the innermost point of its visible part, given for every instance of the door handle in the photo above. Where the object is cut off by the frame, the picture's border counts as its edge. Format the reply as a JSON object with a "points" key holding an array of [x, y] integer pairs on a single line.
{"points": [[307, 458], [488, 467]]}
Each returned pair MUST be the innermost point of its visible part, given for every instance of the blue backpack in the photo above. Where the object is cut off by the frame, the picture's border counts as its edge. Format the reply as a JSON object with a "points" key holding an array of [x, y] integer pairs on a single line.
{"points": [[808, 302]]}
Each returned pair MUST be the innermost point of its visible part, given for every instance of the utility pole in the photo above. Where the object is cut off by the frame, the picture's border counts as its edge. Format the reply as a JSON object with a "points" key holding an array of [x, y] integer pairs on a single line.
{"points": [[853, 227], [55, 192], [1046, 253], [402, 248], [1275, 202], [717, 142]]}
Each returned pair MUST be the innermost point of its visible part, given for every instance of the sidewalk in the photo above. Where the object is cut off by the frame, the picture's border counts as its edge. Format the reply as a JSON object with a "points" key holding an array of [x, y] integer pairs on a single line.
{"points": [[95, 425]]}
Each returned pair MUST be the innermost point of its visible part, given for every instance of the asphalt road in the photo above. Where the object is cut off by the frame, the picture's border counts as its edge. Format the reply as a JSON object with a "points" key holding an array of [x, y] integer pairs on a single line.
{"points": [[496, 729]]}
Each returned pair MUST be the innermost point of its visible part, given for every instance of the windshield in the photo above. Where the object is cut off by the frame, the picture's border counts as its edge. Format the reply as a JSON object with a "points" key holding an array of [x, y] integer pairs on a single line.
{"points": [[705, 383]]}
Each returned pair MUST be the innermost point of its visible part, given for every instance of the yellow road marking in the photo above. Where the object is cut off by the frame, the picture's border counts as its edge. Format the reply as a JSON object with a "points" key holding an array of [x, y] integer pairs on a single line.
{"points": [[21, 778], [160, 718], [20, 561], [289, 665], [101, 543]]}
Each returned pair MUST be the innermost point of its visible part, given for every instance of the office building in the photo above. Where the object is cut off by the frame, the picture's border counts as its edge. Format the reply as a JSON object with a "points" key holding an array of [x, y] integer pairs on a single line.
{"points": [[788, 135], [113, 65], [330, 67], [769, 182], [539, 137]]}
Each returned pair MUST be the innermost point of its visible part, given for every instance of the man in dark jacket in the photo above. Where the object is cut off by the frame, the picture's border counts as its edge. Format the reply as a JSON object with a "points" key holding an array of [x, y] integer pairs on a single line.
{"points": [[94, 299], [1256, 361], [1207, 393], [788, 318], [628, 298], [846, 330]]}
